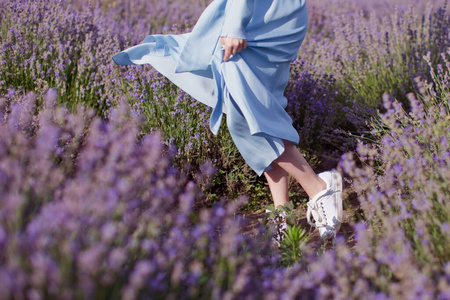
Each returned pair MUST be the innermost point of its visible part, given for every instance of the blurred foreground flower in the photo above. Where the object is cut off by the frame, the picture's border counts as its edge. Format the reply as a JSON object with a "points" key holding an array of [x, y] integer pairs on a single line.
{"points": [[90, 210]]}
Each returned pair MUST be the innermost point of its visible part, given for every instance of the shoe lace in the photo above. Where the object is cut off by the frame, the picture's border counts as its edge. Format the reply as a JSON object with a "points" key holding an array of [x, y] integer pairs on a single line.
{"points": [[317, 213]]}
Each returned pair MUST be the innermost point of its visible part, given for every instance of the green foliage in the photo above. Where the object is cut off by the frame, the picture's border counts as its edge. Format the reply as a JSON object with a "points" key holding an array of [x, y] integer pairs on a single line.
{"points": [[282, 213], [182, 119], [290, 236], [291, 246]]}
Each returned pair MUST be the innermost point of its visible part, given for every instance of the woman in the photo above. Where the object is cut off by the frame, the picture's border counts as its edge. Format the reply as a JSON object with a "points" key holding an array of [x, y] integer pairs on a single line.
{"points": [[236, 60]]}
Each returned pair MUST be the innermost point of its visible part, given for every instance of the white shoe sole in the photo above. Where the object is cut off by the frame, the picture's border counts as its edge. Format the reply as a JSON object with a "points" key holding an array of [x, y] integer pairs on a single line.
{"points": [[337, 182]]}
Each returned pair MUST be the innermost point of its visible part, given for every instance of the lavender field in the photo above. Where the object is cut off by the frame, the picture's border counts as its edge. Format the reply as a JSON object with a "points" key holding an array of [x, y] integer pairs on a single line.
{"points": [[113, 187]]}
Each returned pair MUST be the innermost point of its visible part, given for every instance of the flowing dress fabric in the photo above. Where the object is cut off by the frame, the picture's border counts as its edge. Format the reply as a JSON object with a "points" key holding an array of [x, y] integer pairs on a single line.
{"points": [[249, 87]]}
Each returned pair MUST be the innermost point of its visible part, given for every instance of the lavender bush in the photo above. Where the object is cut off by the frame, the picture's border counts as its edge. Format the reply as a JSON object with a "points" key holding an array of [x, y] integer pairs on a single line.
{"points": [[353, 54], [369, 55], [403, 185], [95, 210], [95, 204], [45, 44], [67, 45], [90, 210], [400, 250], [311, 109], [410, 166]]}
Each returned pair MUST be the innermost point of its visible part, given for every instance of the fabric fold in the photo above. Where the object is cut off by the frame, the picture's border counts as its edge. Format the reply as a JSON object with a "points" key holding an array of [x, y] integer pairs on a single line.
{"points": [[199, 48]]}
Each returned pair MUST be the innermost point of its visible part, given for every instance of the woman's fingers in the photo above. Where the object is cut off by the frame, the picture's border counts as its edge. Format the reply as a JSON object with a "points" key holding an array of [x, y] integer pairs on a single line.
{"points": [[232, 46], [227, 53], [244, 44]]}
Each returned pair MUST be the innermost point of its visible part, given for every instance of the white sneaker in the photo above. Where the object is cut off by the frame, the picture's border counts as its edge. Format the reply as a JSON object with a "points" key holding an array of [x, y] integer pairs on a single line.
{"points": [[326, 206]]}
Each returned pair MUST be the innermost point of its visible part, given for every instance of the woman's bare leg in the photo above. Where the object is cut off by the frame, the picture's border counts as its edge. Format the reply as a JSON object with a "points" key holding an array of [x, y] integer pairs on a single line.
{"points": [[278, 184], [293, 162]]}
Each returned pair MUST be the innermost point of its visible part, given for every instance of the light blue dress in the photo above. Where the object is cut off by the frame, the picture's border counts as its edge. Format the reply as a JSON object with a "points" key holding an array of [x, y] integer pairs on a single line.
{"points": [[249, 87]]}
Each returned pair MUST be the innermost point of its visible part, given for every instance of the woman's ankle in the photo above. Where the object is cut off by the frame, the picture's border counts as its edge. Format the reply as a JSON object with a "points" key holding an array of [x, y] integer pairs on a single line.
{"points": [[319, 187]]}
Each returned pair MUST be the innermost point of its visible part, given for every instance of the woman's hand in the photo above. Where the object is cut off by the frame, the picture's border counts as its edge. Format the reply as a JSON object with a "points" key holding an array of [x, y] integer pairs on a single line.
{"points": [[232, 46]]}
